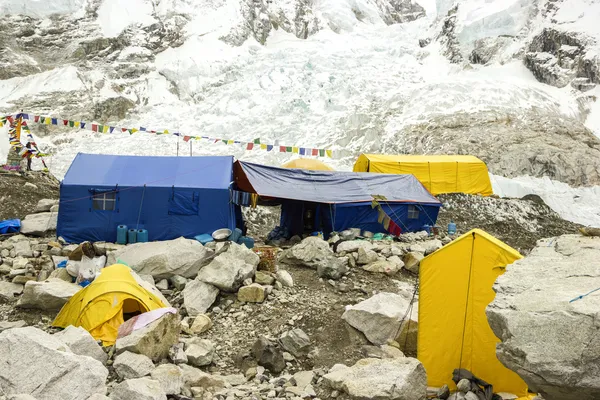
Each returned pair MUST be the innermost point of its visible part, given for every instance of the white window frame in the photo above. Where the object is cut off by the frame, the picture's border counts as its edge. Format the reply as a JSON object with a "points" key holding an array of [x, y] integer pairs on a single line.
{"points": [[104, 201], [413, 212]]}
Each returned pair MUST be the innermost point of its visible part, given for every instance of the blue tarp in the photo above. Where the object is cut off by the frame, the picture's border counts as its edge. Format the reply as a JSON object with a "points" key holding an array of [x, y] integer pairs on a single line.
{"points": [[168, 196], [340, 200], [10, 226]]}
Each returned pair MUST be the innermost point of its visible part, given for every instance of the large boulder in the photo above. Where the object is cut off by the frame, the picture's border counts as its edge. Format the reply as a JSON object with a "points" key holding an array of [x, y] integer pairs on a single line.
{"points": [[268, 355], [311, 253], [296, 342], [351, 246], [170, 377], [130, 365], [254, 293], [375, 379], [551, 342], [164, 259], [50, 294], [229, 269], [22, 248], [198, 297], [138, 389], [39, 364], [154, 340], [81, 342], [45, 205], [383, 317], [8, 291], [39, 224], [200, 352]]}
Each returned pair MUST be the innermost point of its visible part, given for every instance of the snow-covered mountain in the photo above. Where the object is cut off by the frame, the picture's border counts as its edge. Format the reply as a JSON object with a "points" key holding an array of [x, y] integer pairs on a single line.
{"points": [[511, 81]]}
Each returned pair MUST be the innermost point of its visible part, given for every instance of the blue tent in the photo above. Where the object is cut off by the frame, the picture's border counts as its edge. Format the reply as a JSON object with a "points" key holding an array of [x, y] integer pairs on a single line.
{"points": [[340, 200], [168, 196]]}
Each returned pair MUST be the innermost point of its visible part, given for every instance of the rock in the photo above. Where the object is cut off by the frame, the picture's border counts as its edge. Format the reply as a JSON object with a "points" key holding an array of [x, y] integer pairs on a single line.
{"points": [[154, 340], [138, 389], [198, 297], [200, 352], [164, 259], [39, 364], [533, 317], [396, 260], [39, 224], [81, 342], [464, 385], [84, 249], [170, 378], [17, 272], [443, 393], [372, 378], [284, 278], [332, 268], [98, 397], [149, 287], [23, 249], [384, 267], [229, 269], [4, 325], [303, 378], [380, 316], [179, 282], [263, 278], [366, 256], [62, 274], [471, 396], [194, 377], [430, 246], [457, 396], [296, 342], [254, 293], [9, 291], [21, 280], [130, 365], [268, 355], [51, 294], [163, 284], [177, 354], [353, 245], [45, 205], [412, 260], [201, 324]]}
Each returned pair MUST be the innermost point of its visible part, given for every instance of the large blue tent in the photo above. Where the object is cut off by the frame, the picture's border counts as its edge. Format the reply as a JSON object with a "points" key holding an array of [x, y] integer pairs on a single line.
{"points": [[340, 200], [168, 196]]}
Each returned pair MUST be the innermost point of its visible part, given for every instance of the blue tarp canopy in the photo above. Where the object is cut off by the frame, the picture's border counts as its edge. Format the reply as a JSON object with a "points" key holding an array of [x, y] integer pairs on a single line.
{"points": [[168, 196], [332, 187], [339, 200]]}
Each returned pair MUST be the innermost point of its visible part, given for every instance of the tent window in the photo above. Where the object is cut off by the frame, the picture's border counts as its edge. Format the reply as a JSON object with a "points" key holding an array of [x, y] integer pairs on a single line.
{"points": [[413, 212], [104, 201]]}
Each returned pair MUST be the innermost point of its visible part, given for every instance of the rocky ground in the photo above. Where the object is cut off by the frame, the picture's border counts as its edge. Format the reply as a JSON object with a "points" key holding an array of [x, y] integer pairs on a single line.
{"points": [[20, 193]]}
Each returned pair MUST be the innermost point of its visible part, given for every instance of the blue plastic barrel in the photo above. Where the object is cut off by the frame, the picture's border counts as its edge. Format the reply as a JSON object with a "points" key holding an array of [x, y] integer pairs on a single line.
{"points": [[122, 234], [451, 228], [235, 235], [247, 241], [132, 235], [142, 236]]}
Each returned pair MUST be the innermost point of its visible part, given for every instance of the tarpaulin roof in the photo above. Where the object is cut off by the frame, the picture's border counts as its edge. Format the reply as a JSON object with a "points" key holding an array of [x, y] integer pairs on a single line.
{"points": [[329, 186], [155, 171]]}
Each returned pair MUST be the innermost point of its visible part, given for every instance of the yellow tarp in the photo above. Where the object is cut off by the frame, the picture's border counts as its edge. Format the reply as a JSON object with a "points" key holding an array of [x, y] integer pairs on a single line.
{"points": [[455, 287], [307, 163], [438, 173], [100, 306]]}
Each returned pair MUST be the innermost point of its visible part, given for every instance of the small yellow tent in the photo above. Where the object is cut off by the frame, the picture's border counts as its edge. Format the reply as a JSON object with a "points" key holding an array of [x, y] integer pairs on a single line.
{"points": [[455, 287], [438, 173], [307, 163], [99, 308]]}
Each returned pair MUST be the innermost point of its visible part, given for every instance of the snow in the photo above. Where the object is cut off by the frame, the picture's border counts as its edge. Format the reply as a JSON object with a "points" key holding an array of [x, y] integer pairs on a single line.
{"points": [[41, 8], [593, 119], [116, 15], [4, 144]]}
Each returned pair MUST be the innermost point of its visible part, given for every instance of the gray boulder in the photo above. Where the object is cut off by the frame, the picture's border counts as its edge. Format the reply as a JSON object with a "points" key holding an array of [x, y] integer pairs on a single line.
{"points": [[9, 291], [50, 294], [380, 318], [296, 342], [200, 352], [81, 342], [36, 363], [23, 249], [130, 365], [383, 267], [551, 342], [154, 340], [45, 205], [375, 379], [164, 259], [412, 261], [230, 268], [198, 297], [268, 355], [366, 256], [315, 253], [353, 245], [138, 389], [284, 277], [39, 224], [170, 377]]}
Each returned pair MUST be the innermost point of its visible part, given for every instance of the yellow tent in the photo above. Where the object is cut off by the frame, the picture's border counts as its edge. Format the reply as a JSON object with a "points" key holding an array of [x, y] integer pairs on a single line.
{"points": [[438, 173], [99, 308], [307, 163], [455, 287]]}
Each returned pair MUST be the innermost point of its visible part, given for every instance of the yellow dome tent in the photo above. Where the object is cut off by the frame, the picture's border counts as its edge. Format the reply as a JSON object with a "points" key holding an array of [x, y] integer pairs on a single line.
{"points": [[438, 173], [307, 163], [455, 287], [99, 307]]}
